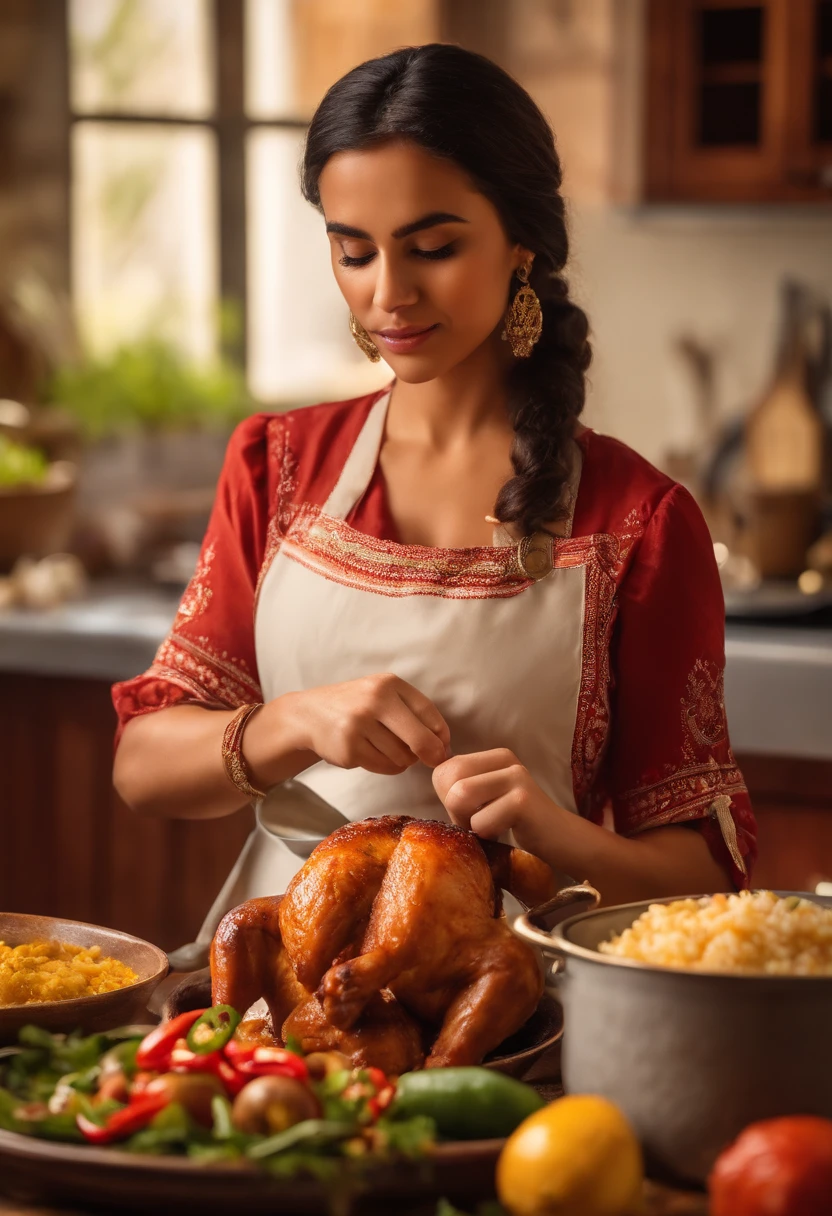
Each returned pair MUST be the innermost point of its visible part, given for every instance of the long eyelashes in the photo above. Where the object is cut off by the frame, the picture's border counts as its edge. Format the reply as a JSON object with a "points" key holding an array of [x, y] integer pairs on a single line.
{"points": [[436, 255], [428, 255], [346, 260]]}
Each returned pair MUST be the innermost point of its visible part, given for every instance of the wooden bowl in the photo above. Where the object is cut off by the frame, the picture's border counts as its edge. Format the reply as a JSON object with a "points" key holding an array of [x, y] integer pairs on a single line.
{"points": [[87, 1013]]}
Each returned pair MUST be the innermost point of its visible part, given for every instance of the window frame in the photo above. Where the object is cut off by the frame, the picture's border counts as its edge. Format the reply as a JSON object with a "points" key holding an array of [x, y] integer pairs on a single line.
{"points": [[230, 125]]}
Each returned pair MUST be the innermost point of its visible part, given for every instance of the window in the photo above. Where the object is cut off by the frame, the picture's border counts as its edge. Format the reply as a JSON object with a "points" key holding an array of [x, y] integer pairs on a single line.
{"points": [[187, 125]]}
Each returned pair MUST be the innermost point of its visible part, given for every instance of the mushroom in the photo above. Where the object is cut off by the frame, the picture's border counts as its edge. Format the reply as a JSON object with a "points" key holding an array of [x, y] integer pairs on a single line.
{"points": [[194, 1092], [269, 1105]]}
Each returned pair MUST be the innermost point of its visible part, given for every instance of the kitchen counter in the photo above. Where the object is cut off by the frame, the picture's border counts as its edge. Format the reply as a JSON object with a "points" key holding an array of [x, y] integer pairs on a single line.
{"points": [[778, 680]]}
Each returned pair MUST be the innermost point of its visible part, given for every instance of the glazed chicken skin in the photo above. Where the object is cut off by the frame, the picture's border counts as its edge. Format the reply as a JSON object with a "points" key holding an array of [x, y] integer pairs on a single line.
{"points": [[385, 1036], [436, 941], [398, 906]]}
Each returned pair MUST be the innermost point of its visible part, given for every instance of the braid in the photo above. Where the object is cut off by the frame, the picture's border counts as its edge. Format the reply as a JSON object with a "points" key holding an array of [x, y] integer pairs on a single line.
{"points": [[546, 396]]}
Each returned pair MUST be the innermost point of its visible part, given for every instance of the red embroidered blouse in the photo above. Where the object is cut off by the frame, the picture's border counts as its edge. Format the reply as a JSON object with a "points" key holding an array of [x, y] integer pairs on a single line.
{"points": [[651, 739]]}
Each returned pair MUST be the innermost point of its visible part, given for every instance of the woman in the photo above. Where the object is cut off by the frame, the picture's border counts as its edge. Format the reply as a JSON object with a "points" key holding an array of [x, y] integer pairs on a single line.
{"points": [[403, 650]]}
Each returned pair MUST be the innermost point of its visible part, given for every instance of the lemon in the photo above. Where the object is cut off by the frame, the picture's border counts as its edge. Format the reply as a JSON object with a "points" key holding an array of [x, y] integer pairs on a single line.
{"points": [[577, 1157]]}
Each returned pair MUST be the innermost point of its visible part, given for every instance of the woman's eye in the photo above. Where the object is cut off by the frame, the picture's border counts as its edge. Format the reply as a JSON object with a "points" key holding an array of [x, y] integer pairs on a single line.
{"points": [[436, 255], [346, 260]]}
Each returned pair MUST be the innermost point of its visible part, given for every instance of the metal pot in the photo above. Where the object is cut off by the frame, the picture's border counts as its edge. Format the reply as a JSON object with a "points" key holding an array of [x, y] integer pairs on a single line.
{"points": [[691, 1057]]}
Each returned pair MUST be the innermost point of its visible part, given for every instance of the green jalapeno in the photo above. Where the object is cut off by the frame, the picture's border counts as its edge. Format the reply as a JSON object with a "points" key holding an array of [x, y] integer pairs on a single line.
{"points": [[213, 1030]]}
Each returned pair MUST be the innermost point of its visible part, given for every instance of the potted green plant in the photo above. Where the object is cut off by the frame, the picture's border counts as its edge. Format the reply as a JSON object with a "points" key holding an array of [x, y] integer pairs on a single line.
{"points": [[155, 427]]}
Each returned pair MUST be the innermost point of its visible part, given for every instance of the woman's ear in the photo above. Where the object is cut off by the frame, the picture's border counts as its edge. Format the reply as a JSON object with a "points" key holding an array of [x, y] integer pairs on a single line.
{"points": [[523, 257]]}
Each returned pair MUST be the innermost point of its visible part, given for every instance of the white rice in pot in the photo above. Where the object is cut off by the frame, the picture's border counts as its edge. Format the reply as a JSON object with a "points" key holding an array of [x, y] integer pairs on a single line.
{"points": [[754, 932]]}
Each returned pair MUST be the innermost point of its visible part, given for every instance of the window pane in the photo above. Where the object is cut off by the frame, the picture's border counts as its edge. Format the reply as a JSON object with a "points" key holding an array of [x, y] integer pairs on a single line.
{"points": [[144, 234], [299, 347], [295, 49], [141, 56]]}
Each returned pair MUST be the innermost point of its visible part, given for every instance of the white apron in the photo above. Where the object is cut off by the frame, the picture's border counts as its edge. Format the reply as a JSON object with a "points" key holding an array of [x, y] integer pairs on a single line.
{"points": [[499, 654]]}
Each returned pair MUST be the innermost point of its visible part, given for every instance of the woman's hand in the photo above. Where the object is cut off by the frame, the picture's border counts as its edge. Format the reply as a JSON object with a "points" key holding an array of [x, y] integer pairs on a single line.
{"points": [[379, 723], [492, 793]]}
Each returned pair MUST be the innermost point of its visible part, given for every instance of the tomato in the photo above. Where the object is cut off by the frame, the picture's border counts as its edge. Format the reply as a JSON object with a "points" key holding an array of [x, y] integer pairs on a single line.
{"points": [[778, 1167]]}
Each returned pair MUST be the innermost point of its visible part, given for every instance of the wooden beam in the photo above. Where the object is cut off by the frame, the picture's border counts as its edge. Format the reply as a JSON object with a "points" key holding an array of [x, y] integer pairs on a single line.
{"points": [[229, 67]]}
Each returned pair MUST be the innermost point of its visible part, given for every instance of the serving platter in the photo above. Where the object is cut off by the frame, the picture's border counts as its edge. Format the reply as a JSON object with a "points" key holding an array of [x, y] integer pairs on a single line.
{"points": [[42, 1171], [37, 1171]]}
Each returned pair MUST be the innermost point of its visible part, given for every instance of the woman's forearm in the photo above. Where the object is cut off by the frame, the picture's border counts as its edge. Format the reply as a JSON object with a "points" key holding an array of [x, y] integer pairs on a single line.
{"points": [[659, 862], [169, 762]]}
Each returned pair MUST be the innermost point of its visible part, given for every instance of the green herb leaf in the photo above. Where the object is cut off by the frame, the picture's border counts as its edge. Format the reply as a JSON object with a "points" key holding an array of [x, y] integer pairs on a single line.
{"points": [[98, 1112], [409, 1137], [223, 1127], [335, 1084], [227, 1151], [57, 1127], [322, 1131], [8, 1105], [34, 1036], [85, 1082], [172, 1117], [293, 1165]]}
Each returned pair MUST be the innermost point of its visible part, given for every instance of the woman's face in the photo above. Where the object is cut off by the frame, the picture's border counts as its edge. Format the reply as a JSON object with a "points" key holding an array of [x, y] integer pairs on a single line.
{"points": [[420, 256]]}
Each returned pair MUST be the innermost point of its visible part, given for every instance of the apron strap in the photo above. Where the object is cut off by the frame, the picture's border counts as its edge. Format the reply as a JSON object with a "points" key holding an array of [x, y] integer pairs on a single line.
{"points": [[360, 465]]}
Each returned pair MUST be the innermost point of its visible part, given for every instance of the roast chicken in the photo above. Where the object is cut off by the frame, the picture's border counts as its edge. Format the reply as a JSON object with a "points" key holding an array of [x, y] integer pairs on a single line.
{"points": [[389, 946]]}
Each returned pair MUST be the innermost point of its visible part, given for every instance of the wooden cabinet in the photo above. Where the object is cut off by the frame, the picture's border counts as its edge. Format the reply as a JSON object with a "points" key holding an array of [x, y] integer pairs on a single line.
{"points": [[739, 101], [68, 844]]}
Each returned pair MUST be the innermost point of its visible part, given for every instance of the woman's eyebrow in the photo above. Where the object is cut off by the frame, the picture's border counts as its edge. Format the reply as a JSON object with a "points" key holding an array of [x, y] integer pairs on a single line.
{"points": [[427, 221]]}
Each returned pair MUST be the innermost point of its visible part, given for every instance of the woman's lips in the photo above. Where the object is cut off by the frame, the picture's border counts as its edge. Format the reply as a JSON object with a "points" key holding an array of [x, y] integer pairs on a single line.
{"points": [[402, 341]]}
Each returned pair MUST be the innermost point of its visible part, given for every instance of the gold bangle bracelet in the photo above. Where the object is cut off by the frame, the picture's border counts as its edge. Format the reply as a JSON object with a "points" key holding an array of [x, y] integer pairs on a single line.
{"points": [[232, 755]]}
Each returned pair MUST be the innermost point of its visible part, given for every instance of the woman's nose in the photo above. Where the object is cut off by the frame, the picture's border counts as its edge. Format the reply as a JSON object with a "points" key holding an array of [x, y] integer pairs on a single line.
{"points": [[394, 287]]}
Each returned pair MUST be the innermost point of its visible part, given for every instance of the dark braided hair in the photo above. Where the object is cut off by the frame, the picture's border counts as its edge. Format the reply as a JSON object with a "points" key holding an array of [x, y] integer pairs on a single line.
{"points": [[459, 105]]}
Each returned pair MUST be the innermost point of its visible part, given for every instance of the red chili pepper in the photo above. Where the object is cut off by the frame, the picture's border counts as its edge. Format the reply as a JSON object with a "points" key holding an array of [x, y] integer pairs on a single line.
{"points": [[182, 1059], [236, 1051], [378, 1078], [140, 1083], [272, 1062], [385, 1097], [155, 1049], [123, 1123]]}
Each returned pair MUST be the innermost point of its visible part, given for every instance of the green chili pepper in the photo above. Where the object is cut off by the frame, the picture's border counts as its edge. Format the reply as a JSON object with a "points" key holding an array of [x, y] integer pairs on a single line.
{"points": [[465, 1103], [213, 1030]]}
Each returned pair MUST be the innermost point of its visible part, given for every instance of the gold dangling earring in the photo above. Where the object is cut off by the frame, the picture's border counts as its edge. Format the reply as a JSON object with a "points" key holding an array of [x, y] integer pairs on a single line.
{"points": [[363, 340], [523, 322]]}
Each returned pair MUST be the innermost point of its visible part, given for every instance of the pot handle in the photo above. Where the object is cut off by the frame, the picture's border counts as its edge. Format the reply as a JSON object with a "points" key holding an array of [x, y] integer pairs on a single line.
{"points": [[525, 927]]}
